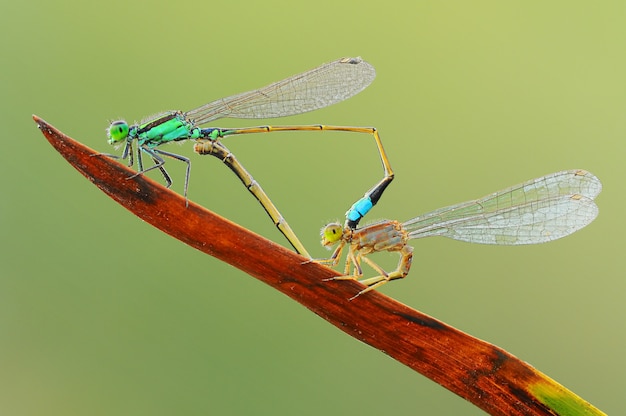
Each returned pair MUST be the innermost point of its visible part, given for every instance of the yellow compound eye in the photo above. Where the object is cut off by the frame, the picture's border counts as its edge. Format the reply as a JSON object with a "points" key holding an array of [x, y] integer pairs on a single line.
{"points": [[117, 131], [331, 234]]}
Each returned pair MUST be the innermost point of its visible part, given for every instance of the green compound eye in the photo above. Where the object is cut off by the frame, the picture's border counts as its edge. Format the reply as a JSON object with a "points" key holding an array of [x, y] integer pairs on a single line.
{"points": [[331, 234], [117, 131]]}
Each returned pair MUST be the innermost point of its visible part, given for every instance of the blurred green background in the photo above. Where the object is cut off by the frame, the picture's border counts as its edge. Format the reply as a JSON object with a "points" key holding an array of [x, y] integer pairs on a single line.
{"points": [[101, 314]]}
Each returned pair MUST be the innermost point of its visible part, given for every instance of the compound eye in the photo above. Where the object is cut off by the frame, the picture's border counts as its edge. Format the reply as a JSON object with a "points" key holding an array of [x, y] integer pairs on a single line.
{"points": [[331, 234], [117, 131]]}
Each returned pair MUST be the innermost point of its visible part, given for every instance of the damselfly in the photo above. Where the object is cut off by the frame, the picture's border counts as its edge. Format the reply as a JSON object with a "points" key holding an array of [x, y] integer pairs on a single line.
{"points": [[320, 87], [536, 211]]}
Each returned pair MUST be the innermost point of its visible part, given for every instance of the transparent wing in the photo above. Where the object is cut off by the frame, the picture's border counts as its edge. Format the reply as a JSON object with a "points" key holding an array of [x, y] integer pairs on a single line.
{"points": [[536, 211], [320, 87]]}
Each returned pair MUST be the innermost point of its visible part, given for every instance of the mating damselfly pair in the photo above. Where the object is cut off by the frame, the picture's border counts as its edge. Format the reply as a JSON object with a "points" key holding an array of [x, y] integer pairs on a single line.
{"points": [[536, 211]]}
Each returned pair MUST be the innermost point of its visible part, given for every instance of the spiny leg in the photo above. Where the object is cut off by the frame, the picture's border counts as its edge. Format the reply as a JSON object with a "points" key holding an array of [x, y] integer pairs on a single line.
{"points": [[126, 154], [333, 260], [166, 176], [159, 163], [404, 265], [182, 159], [352, 259]]}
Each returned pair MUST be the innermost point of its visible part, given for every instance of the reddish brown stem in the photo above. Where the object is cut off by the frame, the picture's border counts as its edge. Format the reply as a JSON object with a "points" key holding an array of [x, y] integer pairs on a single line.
{"points": [[482, 373]]}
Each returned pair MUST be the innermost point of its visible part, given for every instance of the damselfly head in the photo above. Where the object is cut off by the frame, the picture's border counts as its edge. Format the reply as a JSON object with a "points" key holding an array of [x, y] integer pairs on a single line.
{"points": [[117, 131], [331, 234]]}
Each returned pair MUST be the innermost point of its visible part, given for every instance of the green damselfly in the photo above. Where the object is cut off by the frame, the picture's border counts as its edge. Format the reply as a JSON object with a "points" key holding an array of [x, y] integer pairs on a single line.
{"points": [[317, 88]]}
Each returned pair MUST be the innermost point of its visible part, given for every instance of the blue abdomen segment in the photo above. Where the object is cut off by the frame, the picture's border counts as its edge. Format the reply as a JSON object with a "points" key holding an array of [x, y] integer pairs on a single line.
{"points": [[358, 210], [361, 207]]}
